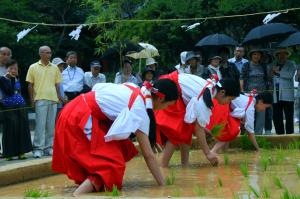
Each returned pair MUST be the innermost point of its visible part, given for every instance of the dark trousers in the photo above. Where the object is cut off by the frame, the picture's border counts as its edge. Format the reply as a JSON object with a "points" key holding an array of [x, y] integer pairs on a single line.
{"points": [[268, 119], [288, 109]]}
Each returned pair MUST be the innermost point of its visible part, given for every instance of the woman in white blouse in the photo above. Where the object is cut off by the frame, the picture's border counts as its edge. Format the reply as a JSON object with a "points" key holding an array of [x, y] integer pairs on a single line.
{"points": [[190, 114], [91, 144]]}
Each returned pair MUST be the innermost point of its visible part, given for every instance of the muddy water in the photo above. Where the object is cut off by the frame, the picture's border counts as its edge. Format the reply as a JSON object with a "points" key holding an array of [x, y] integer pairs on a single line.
{"points": [[222, 181]]}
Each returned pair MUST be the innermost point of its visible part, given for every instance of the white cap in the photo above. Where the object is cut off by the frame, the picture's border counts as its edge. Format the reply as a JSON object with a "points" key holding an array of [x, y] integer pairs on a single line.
{"points": [[182, 57], [57, 61], [150, 61]]}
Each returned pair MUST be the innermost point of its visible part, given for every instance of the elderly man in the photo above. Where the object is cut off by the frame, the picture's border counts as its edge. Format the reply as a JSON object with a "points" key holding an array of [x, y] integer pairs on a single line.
{"points": [[126, 74], [94, 77], [238, 59], [44, 79], [192, 62], [73, 76], [283, 91]]}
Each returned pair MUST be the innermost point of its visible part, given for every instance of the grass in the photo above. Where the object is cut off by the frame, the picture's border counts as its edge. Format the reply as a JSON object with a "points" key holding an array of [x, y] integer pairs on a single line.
{"points": [[226, 159], [278, 182], [244, 169], [170, 180], [254, 191], [220, 183], [262, 143], [294, 145], [36, 193], [298, 170], [199, 191], [114, 192], [266, 193], [288, 195]]}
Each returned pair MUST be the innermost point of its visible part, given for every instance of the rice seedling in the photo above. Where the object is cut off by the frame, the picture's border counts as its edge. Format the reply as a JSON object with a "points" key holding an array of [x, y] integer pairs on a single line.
{"points": [[220, 183], [265, 162], [278, 183], [226, 159], [288, 195], [244, 169], [36, 193], [254, 191], [266, 193], [236, 196], [279, 156], [170, 180], [298, 170], [177, 193], [114, 192], [216, 130], [199, 191]]}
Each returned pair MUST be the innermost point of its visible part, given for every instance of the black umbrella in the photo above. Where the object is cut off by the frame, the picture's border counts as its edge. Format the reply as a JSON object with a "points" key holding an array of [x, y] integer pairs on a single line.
{"points": [[292, 40], [121, 48], [268, 32], [216, 40]]}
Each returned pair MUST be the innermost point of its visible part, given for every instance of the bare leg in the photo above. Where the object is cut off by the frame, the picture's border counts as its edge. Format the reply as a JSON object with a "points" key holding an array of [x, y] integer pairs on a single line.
{"points": [[184, 149], [167, 154], [85, 187], [219, 145]]}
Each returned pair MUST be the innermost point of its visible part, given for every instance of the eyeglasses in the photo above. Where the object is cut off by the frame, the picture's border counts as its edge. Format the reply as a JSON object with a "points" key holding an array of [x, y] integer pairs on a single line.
{"points": [[47, 52]]}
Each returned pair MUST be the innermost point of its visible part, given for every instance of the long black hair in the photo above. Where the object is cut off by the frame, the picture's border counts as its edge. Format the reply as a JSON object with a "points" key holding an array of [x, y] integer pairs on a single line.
{"points": [[230, 86], [168, 88]]}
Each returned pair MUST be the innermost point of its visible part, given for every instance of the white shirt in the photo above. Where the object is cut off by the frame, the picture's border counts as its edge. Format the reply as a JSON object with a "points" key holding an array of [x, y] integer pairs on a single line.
{"points": [[238, 106], [113, 101], [191, 86], [119, 79], [73, 79], [238, 64], [90, 80], [183, 69]]}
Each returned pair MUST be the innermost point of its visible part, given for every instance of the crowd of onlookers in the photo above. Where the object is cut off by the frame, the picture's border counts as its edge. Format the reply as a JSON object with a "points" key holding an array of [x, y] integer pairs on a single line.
{"points": [[54, 82]]}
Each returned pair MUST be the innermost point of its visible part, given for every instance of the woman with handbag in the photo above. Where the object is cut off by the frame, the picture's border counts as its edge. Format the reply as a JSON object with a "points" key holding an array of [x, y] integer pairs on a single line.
{"points": [[16, 140]]}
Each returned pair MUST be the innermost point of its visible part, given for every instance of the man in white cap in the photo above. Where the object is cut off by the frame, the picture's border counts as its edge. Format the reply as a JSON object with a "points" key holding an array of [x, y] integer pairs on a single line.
{"points": [[94, 76], [182, 67]]}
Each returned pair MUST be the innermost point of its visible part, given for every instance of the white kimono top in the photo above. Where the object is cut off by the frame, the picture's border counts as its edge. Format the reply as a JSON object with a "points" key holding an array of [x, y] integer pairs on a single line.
{"points": [[113, 101], [191, 86], [238, 106]]}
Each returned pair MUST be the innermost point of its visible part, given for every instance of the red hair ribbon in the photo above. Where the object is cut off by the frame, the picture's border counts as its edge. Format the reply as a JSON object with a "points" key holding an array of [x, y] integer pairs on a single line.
{"points": [[253, 92], [214, 77], [153, 90]]}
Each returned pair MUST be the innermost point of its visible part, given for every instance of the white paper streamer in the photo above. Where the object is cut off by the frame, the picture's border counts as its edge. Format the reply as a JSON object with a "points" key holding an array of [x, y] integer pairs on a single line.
{"points": [[270, 17], [75, 34], [24, 32]]}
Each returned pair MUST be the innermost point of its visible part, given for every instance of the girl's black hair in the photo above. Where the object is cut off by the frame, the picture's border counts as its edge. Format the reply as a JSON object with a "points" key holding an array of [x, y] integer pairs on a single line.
{"points": [[10, 63], [230, 86], [207, 98], [265, 96], [167, 87]]}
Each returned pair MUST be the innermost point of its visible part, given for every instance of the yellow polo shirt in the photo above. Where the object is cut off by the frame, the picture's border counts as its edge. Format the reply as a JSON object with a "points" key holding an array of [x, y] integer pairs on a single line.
{"points": [[44, 79]]}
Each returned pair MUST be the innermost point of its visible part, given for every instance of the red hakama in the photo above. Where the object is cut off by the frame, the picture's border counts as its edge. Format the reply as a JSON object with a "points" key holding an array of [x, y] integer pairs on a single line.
{"points": [[73, 154], [170, 121], [221, 116]]}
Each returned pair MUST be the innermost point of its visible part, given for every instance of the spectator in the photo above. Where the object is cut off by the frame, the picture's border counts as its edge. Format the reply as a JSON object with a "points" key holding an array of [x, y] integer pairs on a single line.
{"points": [[72, 77], [228, 69], [159, 70], [94, 77], [5, 55], [192, 61], [44, 79], [16, 139], [61, 66], [182, 67], [126, 74], [283, 92], [298, 94], [213, 67], [148, 75], [255, 76], [238, 59]]}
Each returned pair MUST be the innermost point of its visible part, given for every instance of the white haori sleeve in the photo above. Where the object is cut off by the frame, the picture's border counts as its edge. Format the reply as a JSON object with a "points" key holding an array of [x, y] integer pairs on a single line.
{"points": [[129, 121], [238, 106], [249, 118], [197, 110]]}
